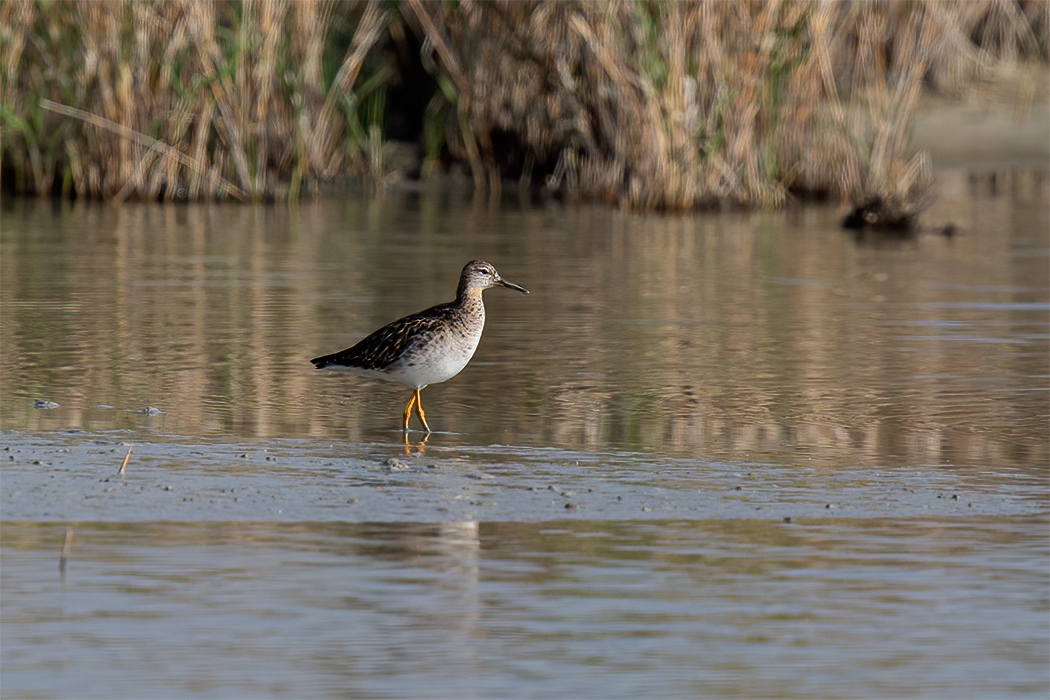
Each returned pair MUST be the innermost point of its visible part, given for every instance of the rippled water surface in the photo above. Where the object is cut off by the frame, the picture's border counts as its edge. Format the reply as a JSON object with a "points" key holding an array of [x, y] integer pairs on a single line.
{"points": [[730, 455], [699, 608]]}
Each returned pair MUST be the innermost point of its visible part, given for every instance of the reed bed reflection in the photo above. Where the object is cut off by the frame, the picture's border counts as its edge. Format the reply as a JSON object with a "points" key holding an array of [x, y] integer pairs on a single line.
{"points": [[722, 334]]}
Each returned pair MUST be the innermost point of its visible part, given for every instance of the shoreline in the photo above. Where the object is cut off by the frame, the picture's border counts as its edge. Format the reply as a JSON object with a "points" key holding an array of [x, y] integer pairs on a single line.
{"points": [[69, 478]]}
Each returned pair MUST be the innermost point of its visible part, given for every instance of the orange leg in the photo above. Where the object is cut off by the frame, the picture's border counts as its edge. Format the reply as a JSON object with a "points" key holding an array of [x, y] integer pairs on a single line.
{"points": [[419, 412], [408, 411], [415, 402]]}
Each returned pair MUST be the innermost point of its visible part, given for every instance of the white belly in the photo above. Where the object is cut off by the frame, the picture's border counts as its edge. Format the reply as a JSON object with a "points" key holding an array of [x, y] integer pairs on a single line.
{"points": [[438, 362]]}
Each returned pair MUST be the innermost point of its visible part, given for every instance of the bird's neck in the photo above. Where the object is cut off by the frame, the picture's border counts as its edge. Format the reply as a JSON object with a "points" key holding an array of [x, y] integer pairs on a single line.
{"points": [[468, 297]]}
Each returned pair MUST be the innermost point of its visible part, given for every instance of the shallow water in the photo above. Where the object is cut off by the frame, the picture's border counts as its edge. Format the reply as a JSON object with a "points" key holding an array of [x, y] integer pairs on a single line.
{"points": [[714, 333], [737, 455], [668, 608]]}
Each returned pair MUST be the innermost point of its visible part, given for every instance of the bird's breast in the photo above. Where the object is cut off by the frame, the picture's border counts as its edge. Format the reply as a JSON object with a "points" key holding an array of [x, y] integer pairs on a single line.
{"points": [[440, 355]]}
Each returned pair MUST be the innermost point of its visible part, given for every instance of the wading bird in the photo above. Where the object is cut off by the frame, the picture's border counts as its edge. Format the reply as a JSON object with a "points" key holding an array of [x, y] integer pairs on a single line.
{"points": [[427, 347]]}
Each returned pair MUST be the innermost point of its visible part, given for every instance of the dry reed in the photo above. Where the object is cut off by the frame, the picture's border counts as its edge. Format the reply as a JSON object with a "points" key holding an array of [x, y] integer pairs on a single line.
{"points": [[678, 105], [178, 99], [644, 104]]}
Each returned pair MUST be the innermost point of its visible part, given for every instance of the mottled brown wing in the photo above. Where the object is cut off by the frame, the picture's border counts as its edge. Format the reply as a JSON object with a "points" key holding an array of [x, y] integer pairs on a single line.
{"points": [[386, 346]]}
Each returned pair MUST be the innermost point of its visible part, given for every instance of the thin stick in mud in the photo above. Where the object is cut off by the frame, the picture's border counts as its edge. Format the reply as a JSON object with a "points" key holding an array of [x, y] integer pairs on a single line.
{"points": [[125, 462]]}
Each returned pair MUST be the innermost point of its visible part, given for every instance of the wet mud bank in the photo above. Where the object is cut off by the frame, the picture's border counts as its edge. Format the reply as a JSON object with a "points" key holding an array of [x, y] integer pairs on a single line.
{"points": [[68, 477]]}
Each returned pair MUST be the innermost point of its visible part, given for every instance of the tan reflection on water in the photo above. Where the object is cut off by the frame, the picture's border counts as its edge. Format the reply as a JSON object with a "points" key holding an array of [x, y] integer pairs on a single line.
{"points": [[706, 334]]}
